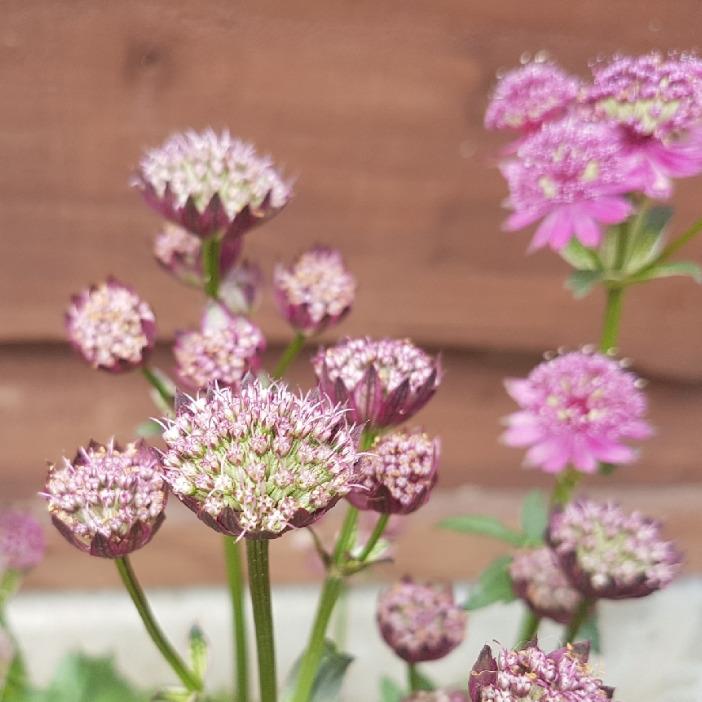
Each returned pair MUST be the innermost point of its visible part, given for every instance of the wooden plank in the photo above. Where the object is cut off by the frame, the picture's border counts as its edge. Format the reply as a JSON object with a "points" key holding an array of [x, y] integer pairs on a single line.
{"points": [[376, 107]]}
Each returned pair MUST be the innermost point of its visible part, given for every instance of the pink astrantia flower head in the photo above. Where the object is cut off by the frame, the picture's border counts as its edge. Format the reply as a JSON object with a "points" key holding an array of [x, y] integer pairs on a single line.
{"points": [[438, 696], [111, 326], [382, 382], [529, 673], [577, 409], [211, 183], [108, 501], [537, 578], [224, 349], [573, 176], [22, 543], [420, 621], [316, 291], [397, 474], [656, 99], [609, 553], [530, 95], [259, 461]]}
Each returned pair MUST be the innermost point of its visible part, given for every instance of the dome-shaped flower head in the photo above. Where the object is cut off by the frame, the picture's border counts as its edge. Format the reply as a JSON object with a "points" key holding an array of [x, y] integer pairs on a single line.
{"points": [[22, 543], [537, 578], [224, 349], [657, 100], [111, 326], [259, 461], [211, 183], [609, 553], [397, 474], [530, 674], [382, 382], [572, 175], [420, 621], [316, 291], [530, 95], [577, 409], [438, 696], [108, 501]]}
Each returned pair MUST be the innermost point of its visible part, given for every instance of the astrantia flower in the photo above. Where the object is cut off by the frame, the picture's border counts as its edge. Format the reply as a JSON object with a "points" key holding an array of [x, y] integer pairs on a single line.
{"points": [[382, 382], [211, 183], [657, 100], [108, 501], [609, 553], [538, 579], [438, 696], [397, 474], [530, 95], [260, 461], [225, 349], [573, 176], [529, 674], [316, 292], [111, 326], [577, 409], [22, 542], [420, 621]]}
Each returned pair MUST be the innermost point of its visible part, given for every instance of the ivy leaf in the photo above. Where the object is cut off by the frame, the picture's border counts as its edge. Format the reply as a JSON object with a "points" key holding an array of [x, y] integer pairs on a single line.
{"points": [[668, 270], [487, 526], [390, 691], [581, 283], [579, 256], [535, 517], [494, 585], [330, 675]]}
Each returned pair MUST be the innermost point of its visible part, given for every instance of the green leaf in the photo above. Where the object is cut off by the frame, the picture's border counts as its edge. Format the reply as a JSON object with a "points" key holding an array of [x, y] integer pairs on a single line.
{"points": [[494, 585], [16, 687], [581, 283], [390, 691], [590, 631], [580, 256], [198, 651], [330, 676], [149, 429], [648, 242], [424, 682], [668, 270], [487, 526], [535, 517]]}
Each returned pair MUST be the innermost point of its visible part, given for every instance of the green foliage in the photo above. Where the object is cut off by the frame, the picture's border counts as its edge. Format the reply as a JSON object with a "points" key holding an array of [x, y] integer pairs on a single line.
{"points": [[581, 283], [487, 526], [390, 691], [494, 585], [149, 429], [330, 675], [668, 270], [535, 517], [198, 651], [590, 631]]}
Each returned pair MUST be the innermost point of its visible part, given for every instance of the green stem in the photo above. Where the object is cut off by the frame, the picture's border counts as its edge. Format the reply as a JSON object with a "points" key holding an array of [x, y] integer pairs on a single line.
{"points": [[612, 318], [235, 578], [378, 532], [289, 355], [579, 617], [678, 243], [528, 628], [346, 536], [333, 586], [187, 677], [565, 486], [157, 384], [260, 587], [414, 680], [210, 265]]}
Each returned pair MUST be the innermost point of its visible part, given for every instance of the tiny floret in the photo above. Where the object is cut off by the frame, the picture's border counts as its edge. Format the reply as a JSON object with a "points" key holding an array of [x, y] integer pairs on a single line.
{"points": [[420, 621], [108, 501], [612, 554], [111, 326], [382, 382], [22, 543], [577, 409], [316, 291], [261, 460]]}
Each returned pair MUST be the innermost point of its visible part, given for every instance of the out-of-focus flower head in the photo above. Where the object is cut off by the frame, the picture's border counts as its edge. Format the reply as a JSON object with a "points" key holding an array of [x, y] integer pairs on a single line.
{"points": [[22, 543], [420, 621], [612, 554], [382, 382], [111, 326], [211, 183], [259, 461], [577, 408], [530, 95], [537, 578], [438, 696], [224, 349], [240, 289], [316, 291], [530, 674], [108, 501], [657, 101], [572, 176], [397, 474]]}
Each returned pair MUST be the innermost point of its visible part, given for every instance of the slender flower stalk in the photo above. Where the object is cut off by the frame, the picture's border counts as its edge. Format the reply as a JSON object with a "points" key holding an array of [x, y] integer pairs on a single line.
{"points": [[156, 382], [414, 680], [528, 628], [235, 580], [576, 623], [210, 264], [291, 352]]}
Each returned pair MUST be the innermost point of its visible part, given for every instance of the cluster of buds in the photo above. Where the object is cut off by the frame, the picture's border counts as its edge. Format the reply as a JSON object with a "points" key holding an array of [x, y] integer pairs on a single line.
{"points": [[529, 673], [611, 554], [108, 501], [261, 461], [398, 473], [22, 543], [111, 326], [438, 696], [315, 292], [223, 350], [420, 621], [382, 382], [577, 409]]}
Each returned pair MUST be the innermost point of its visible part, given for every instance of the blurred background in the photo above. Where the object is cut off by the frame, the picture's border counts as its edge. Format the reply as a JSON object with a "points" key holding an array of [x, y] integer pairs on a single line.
{"points": [[375, 108]]}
